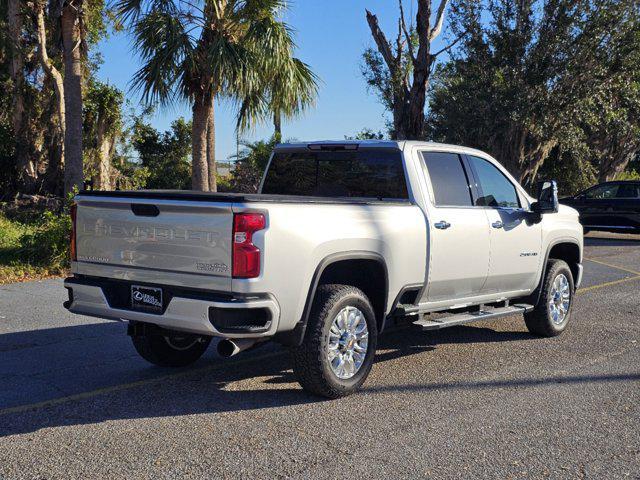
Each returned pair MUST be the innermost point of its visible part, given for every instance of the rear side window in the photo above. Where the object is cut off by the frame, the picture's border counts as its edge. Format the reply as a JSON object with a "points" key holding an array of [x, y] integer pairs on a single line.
{"points": [[366, 173], [448, 179], [495, 189], [628, 190]]}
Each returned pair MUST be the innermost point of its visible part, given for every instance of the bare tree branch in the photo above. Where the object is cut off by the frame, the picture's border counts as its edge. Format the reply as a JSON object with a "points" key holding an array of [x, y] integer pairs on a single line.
{"points": [[406, 33], [48, 66], [400, 43], [452, 44], [384, 47], [437, 28]]}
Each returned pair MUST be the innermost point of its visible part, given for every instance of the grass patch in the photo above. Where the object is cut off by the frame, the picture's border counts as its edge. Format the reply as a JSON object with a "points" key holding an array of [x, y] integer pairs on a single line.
{"points": [[33, 245]]}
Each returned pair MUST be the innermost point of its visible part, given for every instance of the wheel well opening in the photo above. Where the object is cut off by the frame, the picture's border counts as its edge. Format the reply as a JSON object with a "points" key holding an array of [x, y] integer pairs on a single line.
{"points": [[570, 253], [369, 276]]}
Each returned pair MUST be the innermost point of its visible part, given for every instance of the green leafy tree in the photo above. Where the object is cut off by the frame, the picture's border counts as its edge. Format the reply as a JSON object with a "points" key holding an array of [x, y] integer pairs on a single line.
{"points": [[199, 51], [102, 127], [164, 157], [250, 165], [633, 170], [45, 49], [542, 79], [367, 134], [80, 23]]}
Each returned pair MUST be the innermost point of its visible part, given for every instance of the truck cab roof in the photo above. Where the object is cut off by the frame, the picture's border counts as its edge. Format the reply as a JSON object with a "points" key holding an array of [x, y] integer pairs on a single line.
{"points": [[366, 144]]}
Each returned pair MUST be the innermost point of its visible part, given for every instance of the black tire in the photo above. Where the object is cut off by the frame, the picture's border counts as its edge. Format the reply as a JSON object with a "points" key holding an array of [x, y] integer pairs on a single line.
{"points": [[171, 349], [310, 362], [540, 321]]}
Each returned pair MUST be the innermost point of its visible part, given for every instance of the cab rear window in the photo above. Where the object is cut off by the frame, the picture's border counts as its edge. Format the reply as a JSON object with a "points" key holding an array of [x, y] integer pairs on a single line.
{"points": [[366, 173]]}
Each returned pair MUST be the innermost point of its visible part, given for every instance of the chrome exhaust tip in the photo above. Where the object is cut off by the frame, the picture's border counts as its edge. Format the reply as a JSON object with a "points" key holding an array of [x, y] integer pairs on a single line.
{"points": [[228, 348]]}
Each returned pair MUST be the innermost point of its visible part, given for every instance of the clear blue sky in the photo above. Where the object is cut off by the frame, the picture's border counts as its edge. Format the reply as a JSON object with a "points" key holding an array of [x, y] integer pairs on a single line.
{"points": [[331, 36]]}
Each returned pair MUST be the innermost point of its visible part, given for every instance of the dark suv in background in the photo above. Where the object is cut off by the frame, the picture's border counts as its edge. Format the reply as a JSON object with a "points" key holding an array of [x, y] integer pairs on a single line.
{"points": [[610, 207]]}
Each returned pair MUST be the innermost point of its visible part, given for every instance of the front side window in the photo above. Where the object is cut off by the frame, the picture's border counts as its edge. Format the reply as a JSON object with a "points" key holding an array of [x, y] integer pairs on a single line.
{"points": [[448, 179], [370, 173], [603, 192], [495, 190]]}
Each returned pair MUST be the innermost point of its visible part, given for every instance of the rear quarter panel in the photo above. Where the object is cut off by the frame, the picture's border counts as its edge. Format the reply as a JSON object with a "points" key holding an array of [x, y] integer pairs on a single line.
{"points": [[299, 236]]}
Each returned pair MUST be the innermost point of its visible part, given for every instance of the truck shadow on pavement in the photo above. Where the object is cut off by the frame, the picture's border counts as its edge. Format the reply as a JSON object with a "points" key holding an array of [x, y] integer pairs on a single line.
{"points": [[211, 386]]}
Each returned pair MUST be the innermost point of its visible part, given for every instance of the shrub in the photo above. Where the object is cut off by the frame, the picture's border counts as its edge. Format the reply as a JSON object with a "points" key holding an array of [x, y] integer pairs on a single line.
{"points": [[224, 183], [47, 245]]}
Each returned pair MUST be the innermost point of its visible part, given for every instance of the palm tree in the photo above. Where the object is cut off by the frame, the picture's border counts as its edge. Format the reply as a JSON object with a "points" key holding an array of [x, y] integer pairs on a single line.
{"points": [[71, 24], [287, 92], [199, 50]]}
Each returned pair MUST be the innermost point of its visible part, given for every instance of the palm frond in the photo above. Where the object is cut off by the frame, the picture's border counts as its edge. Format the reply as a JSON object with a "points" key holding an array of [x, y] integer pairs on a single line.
{"points": [[240, 49], [294, 88], [130, 11], [260, 8], [252, 109], [163, 44], [272, 41]]}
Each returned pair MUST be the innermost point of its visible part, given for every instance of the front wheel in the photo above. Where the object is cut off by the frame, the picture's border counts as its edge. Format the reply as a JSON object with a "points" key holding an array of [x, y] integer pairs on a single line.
{"points": [[551, 315], [339, 345], [170, 348]]}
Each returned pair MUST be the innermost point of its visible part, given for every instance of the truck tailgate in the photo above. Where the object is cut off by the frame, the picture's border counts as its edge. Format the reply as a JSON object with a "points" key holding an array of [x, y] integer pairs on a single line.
{"points": [[166, 236]]}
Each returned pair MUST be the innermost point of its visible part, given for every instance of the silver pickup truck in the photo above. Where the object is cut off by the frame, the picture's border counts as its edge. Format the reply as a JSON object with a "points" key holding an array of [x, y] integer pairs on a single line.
{"points": [[343, 238]]}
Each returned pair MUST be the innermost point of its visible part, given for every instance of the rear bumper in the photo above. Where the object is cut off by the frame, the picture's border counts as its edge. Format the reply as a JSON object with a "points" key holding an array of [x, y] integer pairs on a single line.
{"points": [[183, 313]]}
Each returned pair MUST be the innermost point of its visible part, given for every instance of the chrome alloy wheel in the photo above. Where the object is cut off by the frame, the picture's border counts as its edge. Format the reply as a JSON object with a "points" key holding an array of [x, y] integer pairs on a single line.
{"points": [[348, 340], [560, 299]]}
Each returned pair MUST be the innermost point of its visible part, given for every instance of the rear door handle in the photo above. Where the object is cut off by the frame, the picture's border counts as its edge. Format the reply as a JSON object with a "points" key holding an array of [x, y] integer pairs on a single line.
{"points": [[442, 225], [497, 224]]}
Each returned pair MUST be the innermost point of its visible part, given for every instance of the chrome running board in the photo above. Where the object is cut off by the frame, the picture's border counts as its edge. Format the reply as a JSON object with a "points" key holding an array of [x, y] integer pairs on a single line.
{"points": [[483, 313]]}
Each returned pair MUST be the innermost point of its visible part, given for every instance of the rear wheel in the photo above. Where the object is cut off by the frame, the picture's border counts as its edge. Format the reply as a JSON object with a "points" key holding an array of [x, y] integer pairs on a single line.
{"points": [[337, 352], [553, 311], [171, 349]]}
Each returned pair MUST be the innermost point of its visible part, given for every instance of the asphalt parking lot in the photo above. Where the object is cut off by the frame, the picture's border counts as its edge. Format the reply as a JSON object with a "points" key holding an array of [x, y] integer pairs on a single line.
{"points": [[486, 400]]}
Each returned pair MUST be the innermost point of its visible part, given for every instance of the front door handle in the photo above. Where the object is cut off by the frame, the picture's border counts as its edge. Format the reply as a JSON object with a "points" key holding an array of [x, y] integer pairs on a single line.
{"points": [[497, 224], [442, 225]]}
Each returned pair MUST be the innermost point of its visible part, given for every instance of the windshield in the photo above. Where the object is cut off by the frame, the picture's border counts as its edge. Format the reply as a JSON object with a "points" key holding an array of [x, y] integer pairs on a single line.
{"points": [[366, 173]]}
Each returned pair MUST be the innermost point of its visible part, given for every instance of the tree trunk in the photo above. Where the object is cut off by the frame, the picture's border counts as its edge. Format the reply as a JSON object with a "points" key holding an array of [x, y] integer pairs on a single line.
{"points": [[277, 127], [25, 163], [412, 124], [16, 66], [199, 167], [73, 172], [409, 103], [52, 71], [211, 148], [614, 162], [105, 145], [54, 175]]}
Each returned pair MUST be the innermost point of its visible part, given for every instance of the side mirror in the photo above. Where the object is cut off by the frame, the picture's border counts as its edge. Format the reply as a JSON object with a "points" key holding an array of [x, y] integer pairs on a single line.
{"points": [[547, 198]]}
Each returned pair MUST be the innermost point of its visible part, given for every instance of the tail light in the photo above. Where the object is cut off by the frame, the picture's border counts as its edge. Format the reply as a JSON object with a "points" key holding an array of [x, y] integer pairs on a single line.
{"points": [[73, 212], [246, 256]]}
